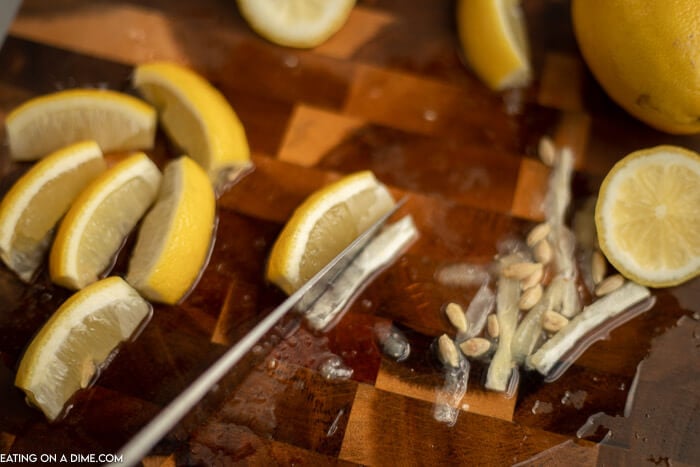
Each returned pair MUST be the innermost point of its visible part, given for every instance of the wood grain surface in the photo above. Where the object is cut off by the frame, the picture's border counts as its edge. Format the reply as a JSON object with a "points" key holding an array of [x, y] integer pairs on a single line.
{"points": [[388, 93]]}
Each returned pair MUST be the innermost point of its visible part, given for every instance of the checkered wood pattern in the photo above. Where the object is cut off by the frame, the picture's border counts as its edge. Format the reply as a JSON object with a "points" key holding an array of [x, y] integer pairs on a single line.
{"points": [[388, 93]]}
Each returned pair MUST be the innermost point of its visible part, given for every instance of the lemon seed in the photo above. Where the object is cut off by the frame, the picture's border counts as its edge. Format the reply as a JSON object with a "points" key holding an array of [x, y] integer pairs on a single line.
{"points": [[475, 347], [609, 284], [455, 314], [448, 351], [547, 151], [530, 297], [553, 321], [598, 267], [520, 270], [538, 233], [492, 325], [543, 252]]}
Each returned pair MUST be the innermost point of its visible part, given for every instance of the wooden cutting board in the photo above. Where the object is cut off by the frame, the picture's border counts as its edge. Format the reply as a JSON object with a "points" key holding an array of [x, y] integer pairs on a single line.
{"points": [[388, 93]]}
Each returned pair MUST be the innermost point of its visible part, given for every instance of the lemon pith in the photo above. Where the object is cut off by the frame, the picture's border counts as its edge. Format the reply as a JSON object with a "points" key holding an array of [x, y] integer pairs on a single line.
{"points": [[325, 223], [35, 203], [195, 115], [175, 237], [84, 331], [101, 217], [648, 216], [494, 41], [116, 121]]}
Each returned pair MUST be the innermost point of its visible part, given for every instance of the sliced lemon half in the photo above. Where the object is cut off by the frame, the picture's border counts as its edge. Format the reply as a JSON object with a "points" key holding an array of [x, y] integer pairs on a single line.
{"points": [[196, 116], [494, 39], [323, 225], [36, 202], [116, 121], [78, 341], [648, 216], [99, 220], [296, 23], [175, 237]]}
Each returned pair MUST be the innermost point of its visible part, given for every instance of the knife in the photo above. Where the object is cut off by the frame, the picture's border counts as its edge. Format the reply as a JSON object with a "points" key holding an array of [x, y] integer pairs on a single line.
{"points": [[142, 443]]}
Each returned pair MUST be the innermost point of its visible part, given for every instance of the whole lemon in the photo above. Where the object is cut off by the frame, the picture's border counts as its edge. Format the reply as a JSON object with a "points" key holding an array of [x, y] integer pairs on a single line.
{"points": [[646, 55]]}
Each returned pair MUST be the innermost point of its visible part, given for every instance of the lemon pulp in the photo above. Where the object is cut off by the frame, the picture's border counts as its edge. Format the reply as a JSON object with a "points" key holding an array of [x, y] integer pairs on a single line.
{"points": [[648, 216]]}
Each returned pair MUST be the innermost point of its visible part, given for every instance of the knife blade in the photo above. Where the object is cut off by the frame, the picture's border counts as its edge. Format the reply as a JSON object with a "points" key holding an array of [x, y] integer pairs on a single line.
{"points": [[141, 444]]}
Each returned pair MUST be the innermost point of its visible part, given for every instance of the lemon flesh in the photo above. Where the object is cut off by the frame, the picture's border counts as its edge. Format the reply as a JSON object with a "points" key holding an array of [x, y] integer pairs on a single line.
{"points": [[31, 209], [99, 220], [116, 121], [196, 117], [648, 216], [296, 23], [323, 225], [645, 55], [175, 238], [494, 41], [78, 341]]}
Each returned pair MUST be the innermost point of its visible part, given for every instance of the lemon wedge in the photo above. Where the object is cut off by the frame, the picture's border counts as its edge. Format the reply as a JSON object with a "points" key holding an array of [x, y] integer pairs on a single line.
{"points": [[648, 216], [116, 121], [99, 220], [175, 238], [36, 202], [494, 40], [323, 225], [196, 116], [78, 341], [296, 23]]}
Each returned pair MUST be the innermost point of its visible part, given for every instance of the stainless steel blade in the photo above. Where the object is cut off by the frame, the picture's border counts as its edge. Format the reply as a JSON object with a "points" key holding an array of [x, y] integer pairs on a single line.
{"points": [[140, 445]]}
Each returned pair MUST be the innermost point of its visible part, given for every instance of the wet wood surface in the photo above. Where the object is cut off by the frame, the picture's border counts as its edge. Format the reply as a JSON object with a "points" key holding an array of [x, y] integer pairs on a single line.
{"points": [[388, 93]]}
